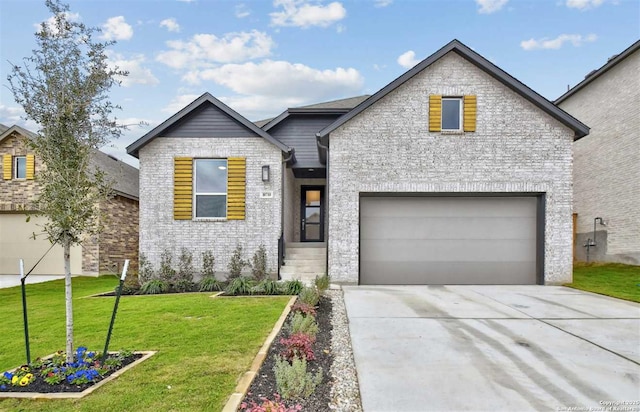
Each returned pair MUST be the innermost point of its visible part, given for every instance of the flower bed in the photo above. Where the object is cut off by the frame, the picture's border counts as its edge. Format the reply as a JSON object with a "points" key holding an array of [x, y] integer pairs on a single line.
{"points": [[54, 375]]}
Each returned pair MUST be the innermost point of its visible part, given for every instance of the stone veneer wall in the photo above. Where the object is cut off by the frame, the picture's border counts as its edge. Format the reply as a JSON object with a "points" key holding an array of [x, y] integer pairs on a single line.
{"points": [[607, 163], [388, 148], [17, 194], [158, 230]]}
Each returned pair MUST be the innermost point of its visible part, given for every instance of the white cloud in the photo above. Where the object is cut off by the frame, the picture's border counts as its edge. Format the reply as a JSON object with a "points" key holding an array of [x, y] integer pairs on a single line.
{"points": [[138, 74], [202, 50], [302, 13], [51, 22], [583, 4], [490, 6], [408, 59], [382, 3], [284, 79], [170, 24], [576, 40], [10, 115], [242, 11], [116, 28], [179, 102]]}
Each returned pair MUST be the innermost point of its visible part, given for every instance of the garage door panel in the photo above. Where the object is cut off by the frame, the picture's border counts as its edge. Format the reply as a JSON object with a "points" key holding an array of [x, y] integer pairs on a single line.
{"points": [[447, 273], [451, 228], [448, 240]]}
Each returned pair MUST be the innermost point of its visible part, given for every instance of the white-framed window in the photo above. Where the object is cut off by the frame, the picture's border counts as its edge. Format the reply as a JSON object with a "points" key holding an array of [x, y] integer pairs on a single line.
{"points": [[452, 114], [210, 188], [20, 167]]}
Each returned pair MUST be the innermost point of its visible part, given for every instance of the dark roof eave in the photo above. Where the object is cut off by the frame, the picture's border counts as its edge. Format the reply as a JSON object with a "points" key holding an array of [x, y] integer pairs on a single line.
{"points": [[134, 147], [610, 64], [301, 110], [578, 127]]}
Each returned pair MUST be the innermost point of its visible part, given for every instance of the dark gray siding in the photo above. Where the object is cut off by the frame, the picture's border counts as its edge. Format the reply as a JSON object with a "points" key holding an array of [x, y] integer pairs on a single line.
{"points": [[208, 121], [299, 131]]}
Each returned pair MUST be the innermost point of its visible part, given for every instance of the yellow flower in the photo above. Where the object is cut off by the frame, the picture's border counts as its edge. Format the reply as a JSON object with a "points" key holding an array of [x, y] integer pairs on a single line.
{"points": [[24, 381], [29, 376], [15, 379]]}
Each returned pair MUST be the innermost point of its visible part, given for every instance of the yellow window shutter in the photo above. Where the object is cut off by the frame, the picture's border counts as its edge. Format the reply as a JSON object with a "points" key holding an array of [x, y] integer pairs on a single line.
{"points": [[31, 166], [182, 188], [7, 166], [435, 113], [236, 187], [470, 105]]}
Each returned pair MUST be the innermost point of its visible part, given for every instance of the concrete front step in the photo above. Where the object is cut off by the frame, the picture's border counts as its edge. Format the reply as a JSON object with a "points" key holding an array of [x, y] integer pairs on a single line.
{"points": [[302, 252], [320, 261], [306, 245]]}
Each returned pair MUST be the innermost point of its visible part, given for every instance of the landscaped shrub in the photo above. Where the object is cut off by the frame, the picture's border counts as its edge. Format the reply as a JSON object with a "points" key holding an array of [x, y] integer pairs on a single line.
{"points": [[303, 324], [267, 287], [298, 345], [259, 263], [145, 269], [209, 284], [236, 263], [310, 296], [185, 267], [270, 406], [208, 262], [184, 285], [292, 287], [292, 379], [166, 272], [303, 308], [322, 283], [154, 287], [239, 286]]}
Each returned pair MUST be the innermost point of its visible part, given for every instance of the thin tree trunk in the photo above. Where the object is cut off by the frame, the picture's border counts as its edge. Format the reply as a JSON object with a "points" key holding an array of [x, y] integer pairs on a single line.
{"points": [[68, 297]]}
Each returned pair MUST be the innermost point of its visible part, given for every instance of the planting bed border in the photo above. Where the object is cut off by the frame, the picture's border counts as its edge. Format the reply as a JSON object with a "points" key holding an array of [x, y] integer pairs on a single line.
{"points": [[243, 385], [77, 395]]}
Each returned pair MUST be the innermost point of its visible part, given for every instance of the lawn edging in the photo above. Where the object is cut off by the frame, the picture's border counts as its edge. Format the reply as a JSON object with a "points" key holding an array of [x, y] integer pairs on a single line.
{"points": [[77, 395], [244, 383]]}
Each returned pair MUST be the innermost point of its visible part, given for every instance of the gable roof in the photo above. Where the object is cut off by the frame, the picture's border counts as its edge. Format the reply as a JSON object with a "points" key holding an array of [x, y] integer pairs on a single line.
{"points": [[205, 98], [599, 72], [3, 128], [123, 175], [458, 47]]}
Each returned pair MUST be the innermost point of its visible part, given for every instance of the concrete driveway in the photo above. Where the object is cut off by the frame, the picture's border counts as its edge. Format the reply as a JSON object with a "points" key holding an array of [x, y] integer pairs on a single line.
{"points": [[493, 348]]}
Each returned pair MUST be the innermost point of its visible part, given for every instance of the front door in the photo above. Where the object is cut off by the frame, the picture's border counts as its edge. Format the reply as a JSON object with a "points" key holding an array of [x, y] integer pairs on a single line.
{"points": [[312, 214]]}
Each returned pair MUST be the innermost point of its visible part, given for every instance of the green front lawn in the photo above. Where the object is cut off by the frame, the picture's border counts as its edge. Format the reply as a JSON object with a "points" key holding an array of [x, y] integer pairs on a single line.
{"points": [[204, 345], [611, 279]]}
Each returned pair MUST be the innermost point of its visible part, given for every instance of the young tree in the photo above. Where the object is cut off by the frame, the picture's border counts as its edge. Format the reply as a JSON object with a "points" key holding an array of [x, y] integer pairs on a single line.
{"points": [[64, 88]]}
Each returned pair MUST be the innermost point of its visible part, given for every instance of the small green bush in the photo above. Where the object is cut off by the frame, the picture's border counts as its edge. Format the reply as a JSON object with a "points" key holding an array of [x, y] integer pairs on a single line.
{"points": [[236, 263], [303, 324], [185, 267], [322, 283], [184, 285], [267, 287], [310, 296], [154, 287], [208, 262], [145, 269], [209, 284], [292, 287], [259, 264], [239, 286], [292, 379], [166, 272]]}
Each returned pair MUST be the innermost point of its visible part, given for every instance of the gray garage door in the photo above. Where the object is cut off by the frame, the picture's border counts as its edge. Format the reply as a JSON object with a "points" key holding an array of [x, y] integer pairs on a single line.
{"points": [[447, 240]]}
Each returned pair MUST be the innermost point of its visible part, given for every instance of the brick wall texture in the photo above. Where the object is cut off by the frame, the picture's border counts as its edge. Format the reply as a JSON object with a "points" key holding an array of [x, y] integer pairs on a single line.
{"points": [[607, 162], [262, 218], [17, 194], [387, 148]]}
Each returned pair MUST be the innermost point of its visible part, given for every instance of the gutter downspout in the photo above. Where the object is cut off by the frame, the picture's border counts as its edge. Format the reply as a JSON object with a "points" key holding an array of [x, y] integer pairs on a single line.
{"points": [[281, 250], [321, 146]]}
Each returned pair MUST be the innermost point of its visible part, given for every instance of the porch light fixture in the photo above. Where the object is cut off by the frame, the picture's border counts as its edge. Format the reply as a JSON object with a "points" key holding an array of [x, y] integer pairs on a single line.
{"points": [[265, 173]]}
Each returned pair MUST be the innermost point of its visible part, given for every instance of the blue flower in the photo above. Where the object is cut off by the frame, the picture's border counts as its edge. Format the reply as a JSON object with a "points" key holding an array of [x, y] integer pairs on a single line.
{"points": [[91, 355], [3, 387], [8, 375]]}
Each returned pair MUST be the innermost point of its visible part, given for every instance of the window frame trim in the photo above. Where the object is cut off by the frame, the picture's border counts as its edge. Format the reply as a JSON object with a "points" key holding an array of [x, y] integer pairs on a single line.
{"points": [[15, 167], [196, 193], [460, 100]]}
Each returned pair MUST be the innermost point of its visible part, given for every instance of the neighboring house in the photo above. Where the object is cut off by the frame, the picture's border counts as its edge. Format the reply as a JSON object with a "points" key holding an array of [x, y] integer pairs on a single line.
{"points": [[18, 189], [454, 173], [606, 165]]}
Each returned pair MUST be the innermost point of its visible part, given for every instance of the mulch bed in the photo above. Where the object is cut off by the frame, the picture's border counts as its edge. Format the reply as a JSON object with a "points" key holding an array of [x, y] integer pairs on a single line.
{"points": [[40, 386], [264, 384]]}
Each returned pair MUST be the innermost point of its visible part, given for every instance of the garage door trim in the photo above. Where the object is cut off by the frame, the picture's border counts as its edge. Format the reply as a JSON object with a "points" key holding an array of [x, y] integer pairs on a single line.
{"points": [[540, 219]]}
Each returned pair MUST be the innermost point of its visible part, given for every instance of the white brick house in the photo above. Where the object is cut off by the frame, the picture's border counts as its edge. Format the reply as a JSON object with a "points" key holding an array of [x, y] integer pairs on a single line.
{"points": [[606, 171], [453, 173]]}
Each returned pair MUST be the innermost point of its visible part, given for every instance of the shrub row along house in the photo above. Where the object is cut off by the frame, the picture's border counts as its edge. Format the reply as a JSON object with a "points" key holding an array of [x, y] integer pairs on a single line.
{"points": [[18, 188], [455, 172]]}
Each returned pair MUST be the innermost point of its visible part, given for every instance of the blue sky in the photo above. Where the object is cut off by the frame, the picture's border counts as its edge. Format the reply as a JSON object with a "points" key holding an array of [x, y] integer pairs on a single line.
{"points": [[261, 57]]}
